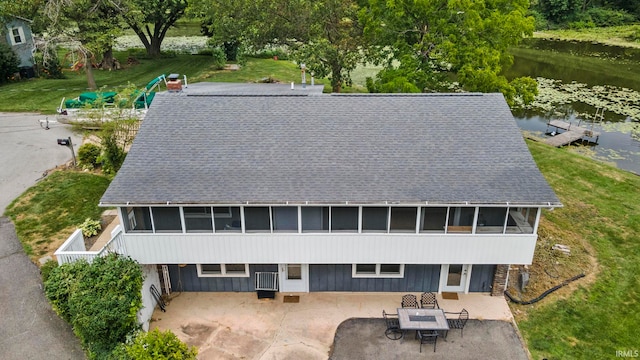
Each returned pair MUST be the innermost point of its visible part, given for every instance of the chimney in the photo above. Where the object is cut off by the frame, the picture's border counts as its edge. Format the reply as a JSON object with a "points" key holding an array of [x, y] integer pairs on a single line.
{"points": [[174, 84]]}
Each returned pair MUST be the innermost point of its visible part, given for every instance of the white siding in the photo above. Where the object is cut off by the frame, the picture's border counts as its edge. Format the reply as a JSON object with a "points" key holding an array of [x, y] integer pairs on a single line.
{"points": [[148, 302], [331, 248]]}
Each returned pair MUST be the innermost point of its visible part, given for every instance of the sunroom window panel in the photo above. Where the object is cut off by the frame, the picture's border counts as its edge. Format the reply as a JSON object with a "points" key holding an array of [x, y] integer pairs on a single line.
{"points": [[374, 219], [198, 219], [521, 220], [256, 219], [315, 218], [461, 219], [491, 220], [166, 219], [344, 219], [227, 218], [433, 219], [403, 219], [137, 219], [285, 218]]}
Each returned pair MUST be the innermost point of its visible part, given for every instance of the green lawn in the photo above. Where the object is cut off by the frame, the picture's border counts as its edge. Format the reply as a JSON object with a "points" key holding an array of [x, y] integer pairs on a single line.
{"points": [[44, 95], [49, 212], [625, 35], [602, 208]]}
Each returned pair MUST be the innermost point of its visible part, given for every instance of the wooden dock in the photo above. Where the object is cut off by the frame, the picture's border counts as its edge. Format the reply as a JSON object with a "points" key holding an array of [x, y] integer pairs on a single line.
{"points": [[571, 133]]}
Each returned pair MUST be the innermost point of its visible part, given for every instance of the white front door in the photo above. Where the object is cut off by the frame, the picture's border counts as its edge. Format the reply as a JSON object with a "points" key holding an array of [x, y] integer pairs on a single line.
{"points": [[455, 277], [294, 277]]}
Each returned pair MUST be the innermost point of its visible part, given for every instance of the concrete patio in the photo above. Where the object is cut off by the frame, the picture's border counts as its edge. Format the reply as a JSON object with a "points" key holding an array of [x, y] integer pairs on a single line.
{"points": [[241, 326]]}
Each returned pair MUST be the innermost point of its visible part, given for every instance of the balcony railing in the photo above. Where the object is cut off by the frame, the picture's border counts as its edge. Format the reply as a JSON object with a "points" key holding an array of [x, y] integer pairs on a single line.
{"points": [[74, 249]]}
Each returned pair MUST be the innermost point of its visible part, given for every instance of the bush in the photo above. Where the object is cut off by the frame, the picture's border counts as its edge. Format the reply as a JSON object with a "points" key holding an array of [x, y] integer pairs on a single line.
{"points": [[100, 300], [46, 268], [90, 227], [156, 345], [606, 17], [219, 59], [8, 63], [88, 154]]}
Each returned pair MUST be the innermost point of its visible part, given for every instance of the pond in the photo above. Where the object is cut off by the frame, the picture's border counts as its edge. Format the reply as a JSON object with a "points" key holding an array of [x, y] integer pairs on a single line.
{"points": [[594, 85]]}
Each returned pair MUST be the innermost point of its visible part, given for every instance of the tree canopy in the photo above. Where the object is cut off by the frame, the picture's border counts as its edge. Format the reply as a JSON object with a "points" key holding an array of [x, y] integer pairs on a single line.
{"points": [[444, 45], [150, 19]]}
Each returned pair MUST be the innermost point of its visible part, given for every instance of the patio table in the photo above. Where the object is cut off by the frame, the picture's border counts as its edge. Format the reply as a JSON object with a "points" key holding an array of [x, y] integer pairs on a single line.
{"points": [[422, 319]]}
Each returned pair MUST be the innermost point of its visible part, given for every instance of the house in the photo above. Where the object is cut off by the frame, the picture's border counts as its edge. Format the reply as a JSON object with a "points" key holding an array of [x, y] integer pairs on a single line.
{"points": [[244, 190], [16, 32]]}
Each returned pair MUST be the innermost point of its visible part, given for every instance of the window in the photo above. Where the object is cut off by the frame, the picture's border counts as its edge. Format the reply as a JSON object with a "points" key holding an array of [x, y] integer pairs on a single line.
{"points": [[166, 219], [315, 218], [522, 220], [344, 219], [433, 219], [403, 219], [460, 219], [17, 36], [138, 219], [491, 220], [294, 272], [257, 219], [285, 218], [378, 270], [227, 218], [374, 219], [198, 219], [223, 270]]}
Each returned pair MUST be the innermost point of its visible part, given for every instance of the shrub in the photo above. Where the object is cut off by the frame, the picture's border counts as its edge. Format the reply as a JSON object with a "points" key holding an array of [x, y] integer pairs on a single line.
{"points": [[100, 300], [88, 154], [156, 345], [46, 268], [90, 227], [8, 63], [602, 17], [219, 59]]}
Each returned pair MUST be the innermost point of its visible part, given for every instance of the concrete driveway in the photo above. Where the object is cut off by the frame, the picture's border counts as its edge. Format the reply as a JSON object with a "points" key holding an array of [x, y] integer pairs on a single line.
{"points": [[29, 329]]}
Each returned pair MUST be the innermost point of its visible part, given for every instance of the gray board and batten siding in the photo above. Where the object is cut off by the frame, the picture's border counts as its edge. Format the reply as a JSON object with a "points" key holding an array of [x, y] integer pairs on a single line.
{"points": [[331, 277]]}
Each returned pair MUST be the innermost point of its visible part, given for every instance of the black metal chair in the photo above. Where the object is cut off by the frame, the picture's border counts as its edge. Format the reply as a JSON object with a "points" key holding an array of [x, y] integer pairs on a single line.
{"points": [[393, 330], [409, 301], [427, 337], [458, 323], [428, 301]]}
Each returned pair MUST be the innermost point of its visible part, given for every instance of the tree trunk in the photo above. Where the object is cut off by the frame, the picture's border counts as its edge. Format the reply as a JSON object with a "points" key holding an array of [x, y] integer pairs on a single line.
{"points": [[91, 81], [153, 50], [107, 62], [336, 78]]}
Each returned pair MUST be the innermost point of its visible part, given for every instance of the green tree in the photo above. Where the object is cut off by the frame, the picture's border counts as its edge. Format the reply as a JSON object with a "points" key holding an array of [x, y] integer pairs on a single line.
{"points": [[8, 63], [440, 45], [325, 35], [90, 25], [100, 300], [560, 11], [150, 19]]}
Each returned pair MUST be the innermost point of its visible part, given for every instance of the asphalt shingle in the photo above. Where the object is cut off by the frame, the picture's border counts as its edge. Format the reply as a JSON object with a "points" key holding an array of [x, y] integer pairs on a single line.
{"points": [[221, 148]]}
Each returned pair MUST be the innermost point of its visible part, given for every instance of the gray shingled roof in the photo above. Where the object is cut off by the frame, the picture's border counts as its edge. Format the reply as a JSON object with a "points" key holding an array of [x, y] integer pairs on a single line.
{"points": [[364, 148]]}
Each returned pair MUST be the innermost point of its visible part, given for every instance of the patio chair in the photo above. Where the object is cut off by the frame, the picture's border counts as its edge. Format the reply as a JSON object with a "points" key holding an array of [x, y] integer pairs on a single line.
{"points": [[409, 301], [458, 323], [428, 301], [393, 331], [427, 337]]}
